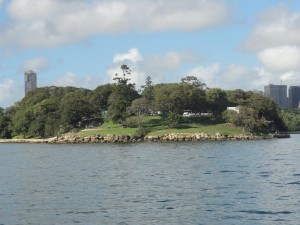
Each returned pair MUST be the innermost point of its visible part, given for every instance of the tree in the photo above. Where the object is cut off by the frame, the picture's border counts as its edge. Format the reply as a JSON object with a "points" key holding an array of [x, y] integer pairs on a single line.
{"points": [[291, 120], [169, 98], [173, 120], [21, 121], [193, 81], [217, 101], [123, 94], [75, 108], [139, 106], [267, 109], [236, 97], [99, 97], [148, 92], [5, 131], [249, 119]]}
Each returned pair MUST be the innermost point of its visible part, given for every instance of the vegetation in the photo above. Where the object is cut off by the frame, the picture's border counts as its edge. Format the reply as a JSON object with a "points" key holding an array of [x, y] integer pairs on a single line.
{"points": [[154, 125], [291, 119], [50, 111]]}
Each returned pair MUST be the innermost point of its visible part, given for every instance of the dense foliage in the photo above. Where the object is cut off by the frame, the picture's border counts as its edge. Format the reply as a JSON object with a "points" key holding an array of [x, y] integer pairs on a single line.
{"points": [[50, 111], [291, 119]]}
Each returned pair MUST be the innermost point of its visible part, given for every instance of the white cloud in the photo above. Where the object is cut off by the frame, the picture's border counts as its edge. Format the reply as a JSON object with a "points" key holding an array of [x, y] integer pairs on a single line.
{"points": [[133, 55], [73, 80], [207, 74], [161, 68], [38, 64], [276, 27], [54, 22], [170, 67], [281, 59], [67, 79], [186, 15], [292, 78], [241, 77], [276, 42], [10, 91]]}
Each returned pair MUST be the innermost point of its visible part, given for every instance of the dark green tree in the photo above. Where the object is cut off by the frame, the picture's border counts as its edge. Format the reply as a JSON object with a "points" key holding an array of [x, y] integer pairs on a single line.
{"points": [[193, 81], [173, 120], [75, 108], [5, 131], [122, 96], [237, 97], [217, 101], [148, 92]]}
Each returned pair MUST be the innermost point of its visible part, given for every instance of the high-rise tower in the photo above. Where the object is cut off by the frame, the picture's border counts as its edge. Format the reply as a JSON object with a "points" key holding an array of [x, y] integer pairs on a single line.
{"points": [[30, 81], [278, 93], [294, 96]]}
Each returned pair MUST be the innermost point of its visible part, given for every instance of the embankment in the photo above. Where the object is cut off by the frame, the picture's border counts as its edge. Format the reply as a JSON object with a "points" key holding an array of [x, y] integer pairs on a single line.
{"points": [[173, 137]]}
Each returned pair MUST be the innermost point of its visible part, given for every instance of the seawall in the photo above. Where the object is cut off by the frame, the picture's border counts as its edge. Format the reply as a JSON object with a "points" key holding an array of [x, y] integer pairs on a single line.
{"points": [[173, 137]]}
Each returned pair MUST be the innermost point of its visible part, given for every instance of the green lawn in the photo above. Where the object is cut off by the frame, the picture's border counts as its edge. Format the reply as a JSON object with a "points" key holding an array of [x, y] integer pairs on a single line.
{"points": [[154, 126]]}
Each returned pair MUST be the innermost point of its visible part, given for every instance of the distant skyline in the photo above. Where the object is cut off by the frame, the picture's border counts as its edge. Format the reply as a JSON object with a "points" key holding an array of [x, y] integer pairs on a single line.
{"points": [[225, 43]]}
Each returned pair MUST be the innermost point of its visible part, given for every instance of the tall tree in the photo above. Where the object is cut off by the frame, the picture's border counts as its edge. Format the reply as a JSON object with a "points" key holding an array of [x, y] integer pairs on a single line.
{"points": [[123, 94], [148, 92]]}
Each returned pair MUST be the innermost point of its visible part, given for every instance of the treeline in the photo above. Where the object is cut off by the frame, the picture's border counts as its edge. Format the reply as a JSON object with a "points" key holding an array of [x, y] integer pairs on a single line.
{"points": [[49, 111]]}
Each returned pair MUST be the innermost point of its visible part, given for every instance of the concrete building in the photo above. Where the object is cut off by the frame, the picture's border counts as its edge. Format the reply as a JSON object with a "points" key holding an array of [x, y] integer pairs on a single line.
{"points": [[277, 93], [30, 81], [294, 97]]}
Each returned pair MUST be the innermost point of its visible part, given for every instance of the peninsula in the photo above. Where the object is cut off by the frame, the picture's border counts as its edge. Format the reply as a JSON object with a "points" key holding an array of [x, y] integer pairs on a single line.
{"points": [[187, 110]]}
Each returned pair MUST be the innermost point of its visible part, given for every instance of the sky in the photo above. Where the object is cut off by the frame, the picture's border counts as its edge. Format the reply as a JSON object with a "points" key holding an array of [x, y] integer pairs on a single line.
{"points": [[229, 44]]}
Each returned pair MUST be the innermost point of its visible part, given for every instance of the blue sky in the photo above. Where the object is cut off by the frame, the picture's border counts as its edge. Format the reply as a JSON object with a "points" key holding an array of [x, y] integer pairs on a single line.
{"points": [[225, 43]]}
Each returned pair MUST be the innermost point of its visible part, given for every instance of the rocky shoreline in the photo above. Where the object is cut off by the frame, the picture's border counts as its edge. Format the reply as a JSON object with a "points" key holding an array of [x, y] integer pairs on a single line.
{"points": [[72, 138]]}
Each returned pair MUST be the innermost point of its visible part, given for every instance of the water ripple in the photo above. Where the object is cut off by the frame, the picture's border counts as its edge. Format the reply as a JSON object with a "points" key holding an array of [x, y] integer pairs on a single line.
{"points": [[265, 212]]}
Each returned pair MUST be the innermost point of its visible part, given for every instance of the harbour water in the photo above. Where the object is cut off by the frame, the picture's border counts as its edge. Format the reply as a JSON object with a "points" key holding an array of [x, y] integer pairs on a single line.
{"points": [[246, 182]]}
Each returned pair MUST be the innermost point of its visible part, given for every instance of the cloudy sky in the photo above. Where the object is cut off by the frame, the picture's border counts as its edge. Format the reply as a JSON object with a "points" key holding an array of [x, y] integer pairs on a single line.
{"points": [[226, 43]]}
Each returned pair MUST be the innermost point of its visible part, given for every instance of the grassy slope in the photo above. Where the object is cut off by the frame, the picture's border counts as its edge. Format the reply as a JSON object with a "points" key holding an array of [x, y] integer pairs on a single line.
{"points": [[154, 126]]}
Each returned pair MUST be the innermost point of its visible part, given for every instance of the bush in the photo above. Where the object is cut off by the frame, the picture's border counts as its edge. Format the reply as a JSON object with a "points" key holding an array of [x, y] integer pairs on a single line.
{"points": [[134, 121], [173, 120], [140, 132]]}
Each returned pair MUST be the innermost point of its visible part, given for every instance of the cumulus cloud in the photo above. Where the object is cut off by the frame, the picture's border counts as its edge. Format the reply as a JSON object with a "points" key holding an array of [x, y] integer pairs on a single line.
{"points": [[73, 80], [276, 27], [207, 74], [133, 55], [241, 77], [10, 91], [171, 67], [54, 22], [276, 42], [284, 58], [38, 64], [161, 68]]}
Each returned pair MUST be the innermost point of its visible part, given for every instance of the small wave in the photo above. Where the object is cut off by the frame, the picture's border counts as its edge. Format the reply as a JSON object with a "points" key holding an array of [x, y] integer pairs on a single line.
{"points": [[71, 212], [265, 212], [167, 200], [228, 171], [296, 182]]}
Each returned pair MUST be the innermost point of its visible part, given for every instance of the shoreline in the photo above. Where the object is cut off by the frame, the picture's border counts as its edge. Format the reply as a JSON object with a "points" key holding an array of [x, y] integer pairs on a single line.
{"points": [[72, 138]]}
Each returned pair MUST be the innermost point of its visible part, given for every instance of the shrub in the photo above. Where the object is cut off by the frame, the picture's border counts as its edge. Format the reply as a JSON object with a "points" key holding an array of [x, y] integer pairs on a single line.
{"points": [[134, 121], [140, 132]]}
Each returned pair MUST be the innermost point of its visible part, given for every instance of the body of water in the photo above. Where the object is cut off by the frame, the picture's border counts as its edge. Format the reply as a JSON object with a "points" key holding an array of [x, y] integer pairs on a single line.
{"points": [[248, 182]]}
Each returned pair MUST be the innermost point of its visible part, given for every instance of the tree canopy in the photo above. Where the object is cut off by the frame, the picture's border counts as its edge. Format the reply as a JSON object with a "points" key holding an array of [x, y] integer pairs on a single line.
{"points": [[48, 111]]}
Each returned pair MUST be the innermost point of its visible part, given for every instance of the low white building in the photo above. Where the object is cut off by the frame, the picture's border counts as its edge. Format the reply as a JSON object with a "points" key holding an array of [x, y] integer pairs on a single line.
{"points": [[236, 109]]}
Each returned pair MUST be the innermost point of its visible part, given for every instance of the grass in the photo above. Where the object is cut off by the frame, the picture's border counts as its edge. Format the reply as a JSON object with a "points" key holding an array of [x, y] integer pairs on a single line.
{"points": [[108, 128], [154, 126]]}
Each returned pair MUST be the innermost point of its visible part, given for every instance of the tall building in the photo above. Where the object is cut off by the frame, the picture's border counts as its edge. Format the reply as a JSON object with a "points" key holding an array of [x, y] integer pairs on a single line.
{"points": [[277, 93], [30, 81], [294, 96]]}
